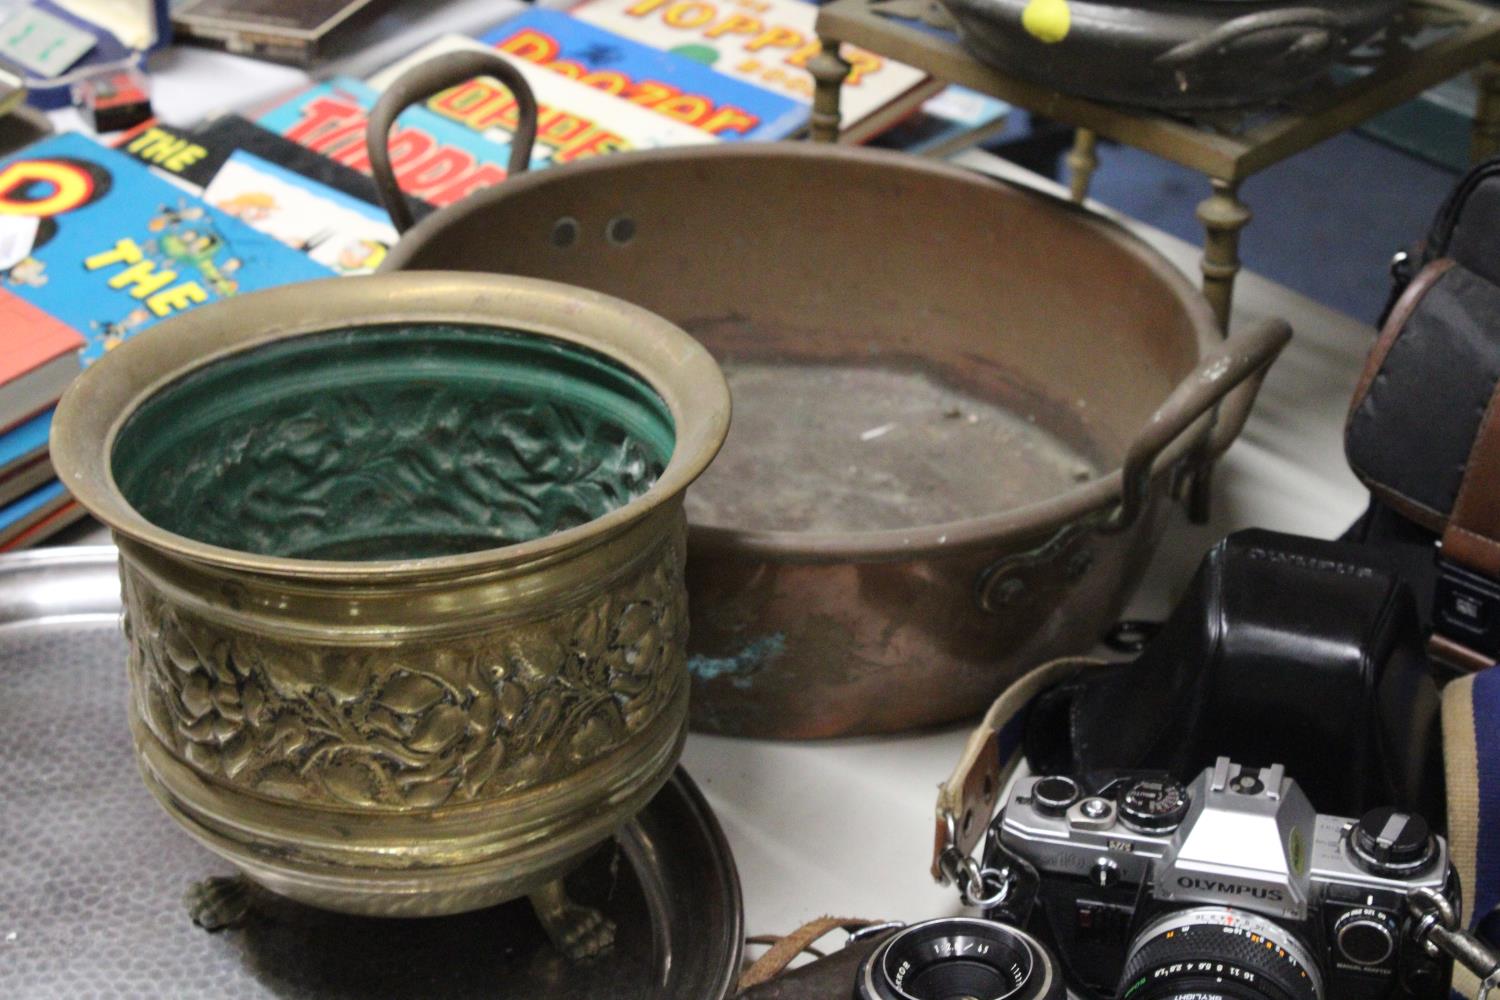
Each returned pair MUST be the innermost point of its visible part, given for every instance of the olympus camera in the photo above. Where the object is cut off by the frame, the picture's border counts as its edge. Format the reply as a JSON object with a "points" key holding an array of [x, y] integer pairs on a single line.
{"points": [[1228, 888]]}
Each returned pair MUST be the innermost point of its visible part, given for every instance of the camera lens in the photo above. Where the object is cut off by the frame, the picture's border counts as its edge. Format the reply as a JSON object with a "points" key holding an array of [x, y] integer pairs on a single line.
{"points": [[1216, 953], [960, 958]]}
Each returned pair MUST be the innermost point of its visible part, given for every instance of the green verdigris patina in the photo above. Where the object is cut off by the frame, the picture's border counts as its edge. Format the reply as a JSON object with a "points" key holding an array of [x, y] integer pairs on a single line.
{"points": [[393, 442]]}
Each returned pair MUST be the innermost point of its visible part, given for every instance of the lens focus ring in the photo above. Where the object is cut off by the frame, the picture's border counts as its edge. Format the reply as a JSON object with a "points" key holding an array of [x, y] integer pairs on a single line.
{"points": [[1214, 951], [960, 958]]}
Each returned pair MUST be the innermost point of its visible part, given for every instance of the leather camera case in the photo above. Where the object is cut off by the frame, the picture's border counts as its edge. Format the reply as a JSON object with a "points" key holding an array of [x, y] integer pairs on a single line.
{"points": [[829, 978], [1423, 431], [1285, 650]]}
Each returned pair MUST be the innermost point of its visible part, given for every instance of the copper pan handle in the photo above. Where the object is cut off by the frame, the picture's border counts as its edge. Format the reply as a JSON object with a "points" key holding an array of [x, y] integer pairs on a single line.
{"points": [[423, 81], [1231, 376], [1236, 368]]}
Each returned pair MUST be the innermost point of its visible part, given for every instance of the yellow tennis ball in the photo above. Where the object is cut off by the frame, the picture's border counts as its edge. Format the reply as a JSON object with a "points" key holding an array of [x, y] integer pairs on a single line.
{"points": [[1047, 20]]}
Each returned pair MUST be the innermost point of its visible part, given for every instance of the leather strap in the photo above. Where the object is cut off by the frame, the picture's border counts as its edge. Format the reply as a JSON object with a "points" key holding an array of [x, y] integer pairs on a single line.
{"points": [[1472, 536], [1471, 540], [1395, 323], [1456, 654], [968, 798], [781, 954], [1470, 530]]}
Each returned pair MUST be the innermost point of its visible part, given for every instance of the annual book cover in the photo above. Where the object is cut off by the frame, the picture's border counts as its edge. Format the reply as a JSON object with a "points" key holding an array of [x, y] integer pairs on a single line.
{"points": [[30, 518], [573, 121], [344, 234], [94, 247], [193, 157], [767, 43], [97, 241], [277, 187], [435, 158], [24, 465], [38, 352], [684, 90]]}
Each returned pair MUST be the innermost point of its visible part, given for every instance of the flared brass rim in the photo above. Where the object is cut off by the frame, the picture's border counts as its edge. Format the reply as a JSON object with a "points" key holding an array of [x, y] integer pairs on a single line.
{"points": [[99, 402]]}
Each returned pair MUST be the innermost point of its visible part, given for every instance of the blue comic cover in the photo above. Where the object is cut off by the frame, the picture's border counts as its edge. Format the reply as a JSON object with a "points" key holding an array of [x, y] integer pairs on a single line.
{"points": [[434, 158], [97, 240], [665, 82]]}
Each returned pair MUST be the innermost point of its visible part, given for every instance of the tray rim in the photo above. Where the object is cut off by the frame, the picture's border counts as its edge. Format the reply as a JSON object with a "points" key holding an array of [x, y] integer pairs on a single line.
{"points": [[89, 606]]}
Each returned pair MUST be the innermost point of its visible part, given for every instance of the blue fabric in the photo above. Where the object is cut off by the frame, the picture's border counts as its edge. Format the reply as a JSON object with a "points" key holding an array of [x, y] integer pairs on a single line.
{"points": [[1486, 889]]}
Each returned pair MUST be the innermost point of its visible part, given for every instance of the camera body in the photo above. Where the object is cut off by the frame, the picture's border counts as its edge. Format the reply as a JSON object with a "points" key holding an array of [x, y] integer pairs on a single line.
{"points": [[1231, 885]]}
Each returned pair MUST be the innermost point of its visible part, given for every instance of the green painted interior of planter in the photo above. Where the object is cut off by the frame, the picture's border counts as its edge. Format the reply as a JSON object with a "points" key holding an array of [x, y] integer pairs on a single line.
{"points": [[393, 442]]}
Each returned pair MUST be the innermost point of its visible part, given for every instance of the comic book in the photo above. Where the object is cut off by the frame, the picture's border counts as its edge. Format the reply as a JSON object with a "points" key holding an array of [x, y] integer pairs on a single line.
{"points": [[344, 234], [573, 121], [36, 515], [305, 200], [24, 465], [681, 89], [109, 248], [38, 353], [193, 157], [435, 158], [767, 43], [95, 241]]}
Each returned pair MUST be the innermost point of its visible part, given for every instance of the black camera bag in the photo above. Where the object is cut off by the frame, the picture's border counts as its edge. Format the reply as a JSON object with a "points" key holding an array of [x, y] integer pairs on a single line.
{"points": [[1285, 650], [1466, 228], [1424, 430]]}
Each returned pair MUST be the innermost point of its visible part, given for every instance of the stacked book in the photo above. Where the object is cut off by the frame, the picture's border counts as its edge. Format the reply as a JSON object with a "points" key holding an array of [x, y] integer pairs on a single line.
{"points": [[98, 243], [93, 248]]}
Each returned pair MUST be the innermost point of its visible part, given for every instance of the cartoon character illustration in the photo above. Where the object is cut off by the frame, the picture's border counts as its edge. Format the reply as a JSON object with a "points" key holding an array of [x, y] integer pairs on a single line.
{"points": [[169, 216], [110, 335], [361, 256], [187, 241], [250, 206], [28, 271], [20, 238]]}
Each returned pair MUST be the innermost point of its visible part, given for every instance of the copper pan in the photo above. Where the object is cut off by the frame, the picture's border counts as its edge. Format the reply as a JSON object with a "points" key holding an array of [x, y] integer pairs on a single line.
{"points": [[805, 252]]}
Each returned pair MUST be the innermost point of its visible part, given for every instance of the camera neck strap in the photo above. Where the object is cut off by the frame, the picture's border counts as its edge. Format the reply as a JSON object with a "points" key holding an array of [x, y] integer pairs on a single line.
{"points": [[967, 800], [1471, 758]]}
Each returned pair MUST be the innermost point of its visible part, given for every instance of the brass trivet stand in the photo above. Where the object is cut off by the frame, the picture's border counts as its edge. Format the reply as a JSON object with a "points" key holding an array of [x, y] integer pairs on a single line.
{"points": [[1433, 41]]}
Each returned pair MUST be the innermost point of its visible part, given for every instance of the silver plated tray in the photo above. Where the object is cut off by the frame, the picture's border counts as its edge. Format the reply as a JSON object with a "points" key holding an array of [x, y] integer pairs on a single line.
{"points": [[93, 873]]}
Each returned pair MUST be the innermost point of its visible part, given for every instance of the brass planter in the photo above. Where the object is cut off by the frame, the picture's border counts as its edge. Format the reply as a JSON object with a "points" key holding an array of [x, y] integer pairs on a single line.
{"points": [[402, 560]]}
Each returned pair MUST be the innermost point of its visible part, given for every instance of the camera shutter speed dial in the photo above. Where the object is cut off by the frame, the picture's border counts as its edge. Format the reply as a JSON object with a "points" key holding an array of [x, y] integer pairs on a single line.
{"points": [[1392, 843], [1154, 805]]}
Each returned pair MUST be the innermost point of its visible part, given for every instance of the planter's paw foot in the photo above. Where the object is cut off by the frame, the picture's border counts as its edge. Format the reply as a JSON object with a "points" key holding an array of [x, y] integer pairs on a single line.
{"points": [[218, 903], [579, 932]]}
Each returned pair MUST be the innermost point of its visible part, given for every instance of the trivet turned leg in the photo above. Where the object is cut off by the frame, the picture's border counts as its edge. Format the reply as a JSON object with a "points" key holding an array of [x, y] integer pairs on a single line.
{"points": [[1083, 160], [578, 932], [218, 903], [1223, 216], [829, 70]]}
